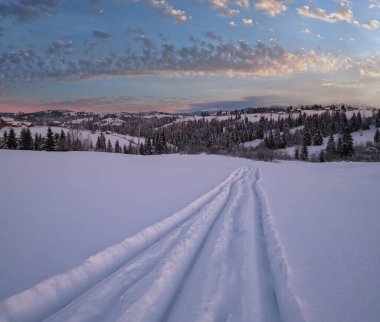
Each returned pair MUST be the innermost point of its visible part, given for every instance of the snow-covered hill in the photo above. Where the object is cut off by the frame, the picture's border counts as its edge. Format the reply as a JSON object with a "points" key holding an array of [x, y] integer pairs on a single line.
{"points": [[186, 238], [81, 134]]}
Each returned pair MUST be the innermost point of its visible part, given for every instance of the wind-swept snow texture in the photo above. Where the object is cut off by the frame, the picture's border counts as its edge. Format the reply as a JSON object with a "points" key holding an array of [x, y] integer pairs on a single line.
{"points": [[195, 238], [58, 209], [327, 219], [207, 262]]}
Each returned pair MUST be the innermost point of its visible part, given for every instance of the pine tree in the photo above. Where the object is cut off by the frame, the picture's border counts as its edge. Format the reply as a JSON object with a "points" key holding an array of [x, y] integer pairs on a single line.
{"points": [[50, 142], [11, 142], [306, 137], [322, 156], [26, 139], [377, 137], [286, 135], [62, 143], [148, 147], [304, 152], [354, 122], [331, 148], [130, 149], [339, 145], [109, 146], [101, 143], [277, 139], [297, 153], [360, 121], [5, 138], [210, 142], [69, 142], [318, 138], [347, 143], [38, 142], [125, 151], [377, 120], [161, 142], [117, 147], [269, 141], [97, 146]]}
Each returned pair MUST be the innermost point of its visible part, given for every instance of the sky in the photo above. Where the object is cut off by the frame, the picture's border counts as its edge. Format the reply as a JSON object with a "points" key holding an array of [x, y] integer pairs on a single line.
{"points": [[187, 55]]}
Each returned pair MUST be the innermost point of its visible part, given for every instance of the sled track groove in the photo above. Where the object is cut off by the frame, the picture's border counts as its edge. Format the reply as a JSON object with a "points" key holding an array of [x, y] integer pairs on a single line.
{"points": [[215, 260]]}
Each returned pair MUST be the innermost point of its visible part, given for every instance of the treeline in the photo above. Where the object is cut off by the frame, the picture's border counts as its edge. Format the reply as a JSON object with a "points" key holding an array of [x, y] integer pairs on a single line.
{"points": [[223, 136], [317, 127], [126, 124], [157, 144], [300, 130], [72, 141]]}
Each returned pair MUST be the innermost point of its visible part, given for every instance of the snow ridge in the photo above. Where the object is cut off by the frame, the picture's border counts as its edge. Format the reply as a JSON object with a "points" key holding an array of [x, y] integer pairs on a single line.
{"points": [[288, 303], [49, 296]]}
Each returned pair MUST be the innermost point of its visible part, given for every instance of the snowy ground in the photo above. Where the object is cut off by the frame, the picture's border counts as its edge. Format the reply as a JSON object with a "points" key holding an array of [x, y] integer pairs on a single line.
{"points": [[196, 238]]}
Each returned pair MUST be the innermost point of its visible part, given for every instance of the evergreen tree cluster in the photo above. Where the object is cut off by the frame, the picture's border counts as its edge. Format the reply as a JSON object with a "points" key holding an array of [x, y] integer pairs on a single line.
{"points": [[50, 142], [213, 135]]}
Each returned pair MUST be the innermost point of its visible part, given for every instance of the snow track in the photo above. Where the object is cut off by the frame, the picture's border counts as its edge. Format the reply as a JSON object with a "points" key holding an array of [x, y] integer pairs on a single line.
{"points": [[207, 262]]}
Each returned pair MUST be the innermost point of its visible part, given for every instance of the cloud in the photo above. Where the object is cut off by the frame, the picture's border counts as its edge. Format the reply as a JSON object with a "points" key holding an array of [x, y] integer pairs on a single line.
{"points": [[241, 3], [370, 67], [167, 9], [213, 36], [25, 10], [374, 4], [145, 57], [344, 3], [272, 8], [374, 24], [345, 14], [321, 14], [248, 22], [101, 34], [348, 63], [341, 85], [134, 31], [100, 13], [60, 45], [35, 3], [89, 46], [222, 6]]}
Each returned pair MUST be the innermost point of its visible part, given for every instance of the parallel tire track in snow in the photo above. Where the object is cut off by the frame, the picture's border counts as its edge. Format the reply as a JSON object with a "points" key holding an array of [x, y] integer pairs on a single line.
{"points": [[208, 262]]}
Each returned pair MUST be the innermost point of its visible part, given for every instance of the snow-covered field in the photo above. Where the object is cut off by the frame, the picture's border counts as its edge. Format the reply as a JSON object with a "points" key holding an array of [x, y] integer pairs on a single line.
{"points": [[187, 238]]}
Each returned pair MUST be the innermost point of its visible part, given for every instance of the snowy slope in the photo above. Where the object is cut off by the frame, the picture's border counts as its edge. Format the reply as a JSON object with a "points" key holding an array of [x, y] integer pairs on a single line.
{"points": [[328, 223], [97, 199], [196, 238]]}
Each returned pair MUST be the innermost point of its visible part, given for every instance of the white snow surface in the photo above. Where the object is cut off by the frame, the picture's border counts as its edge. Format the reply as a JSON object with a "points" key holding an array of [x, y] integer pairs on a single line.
{"points": [[105, 237]]}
